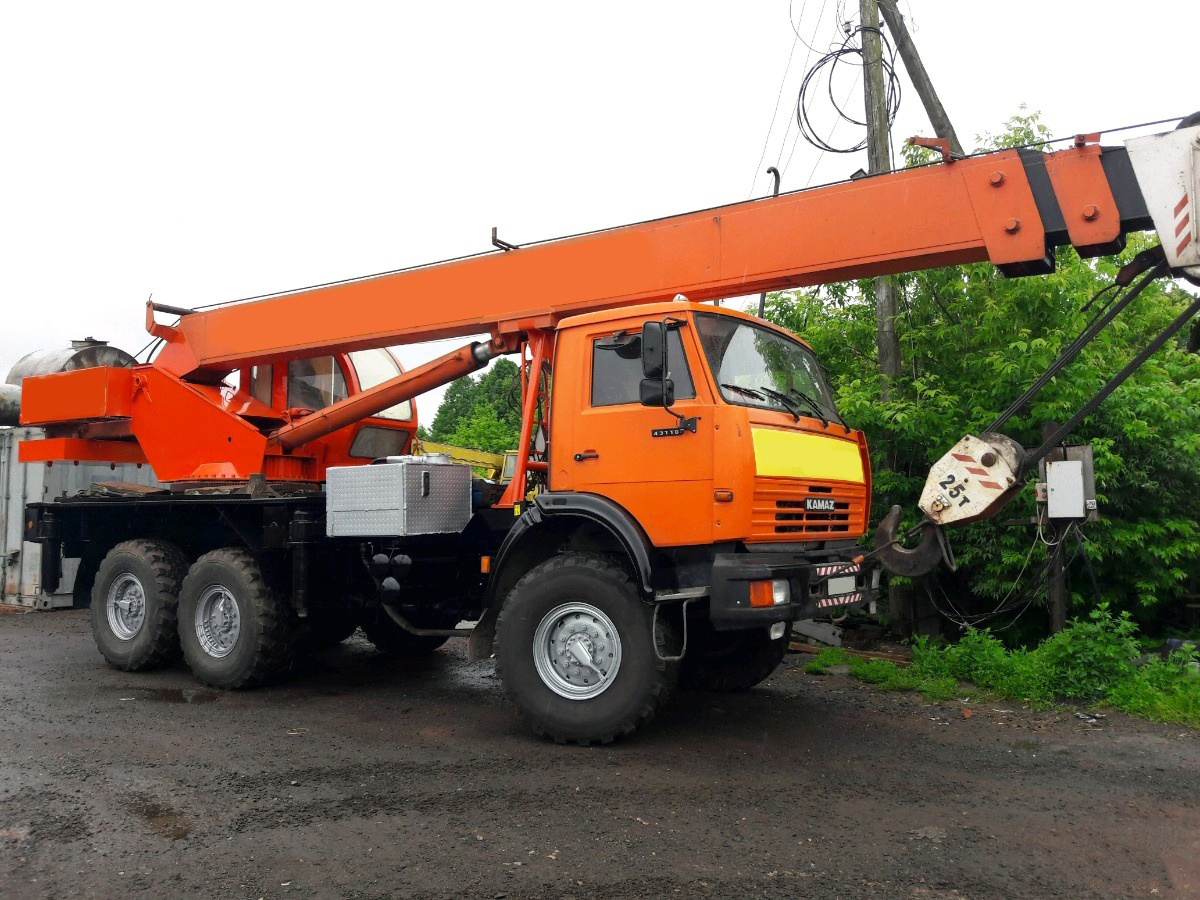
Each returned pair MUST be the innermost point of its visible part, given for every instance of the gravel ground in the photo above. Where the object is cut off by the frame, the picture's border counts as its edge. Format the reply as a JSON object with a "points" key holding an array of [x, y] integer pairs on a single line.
{"points": [[366, 777]]}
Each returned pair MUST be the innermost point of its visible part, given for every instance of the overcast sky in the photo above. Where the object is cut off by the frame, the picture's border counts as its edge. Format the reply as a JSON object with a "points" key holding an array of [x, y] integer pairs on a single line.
{"points": [[209, 152]]}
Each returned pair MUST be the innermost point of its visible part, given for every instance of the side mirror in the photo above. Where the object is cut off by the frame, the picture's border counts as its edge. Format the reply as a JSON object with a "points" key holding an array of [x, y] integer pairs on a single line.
{"points": [[654, 350], [657, 392]]}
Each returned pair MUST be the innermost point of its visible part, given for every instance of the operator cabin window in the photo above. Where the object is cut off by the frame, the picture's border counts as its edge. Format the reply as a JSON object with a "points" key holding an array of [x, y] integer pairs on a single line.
{"points": [[315, 383], [615, 379], [375, 367]]}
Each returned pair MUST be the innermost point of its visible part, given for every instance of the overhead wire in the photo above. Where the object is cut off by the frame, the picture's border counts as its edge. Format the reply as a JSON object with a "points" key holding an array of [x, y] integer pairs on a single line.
{"points": [[1028, 593], [830, 61], [775, 112], [794, 20], [810, 50]]}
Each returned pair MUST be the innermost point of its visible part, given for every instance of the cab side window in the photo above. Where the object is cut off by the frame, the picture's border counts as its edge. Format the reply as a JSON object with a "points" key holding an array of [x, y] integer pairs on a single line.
{"points": [[615, 379]]}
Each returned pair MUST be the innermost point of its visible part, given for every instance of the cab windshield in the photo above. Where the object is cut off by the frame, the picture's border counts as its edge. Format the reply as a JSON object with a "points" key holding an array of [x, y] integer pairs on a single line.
{"points": [[756, 366]]}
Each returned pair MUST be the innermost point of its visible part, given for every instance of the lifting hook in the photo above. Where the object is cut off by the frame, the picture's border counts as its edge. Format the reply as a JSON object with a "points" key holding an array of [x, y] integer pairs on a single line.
{"points": [[921, 559]]}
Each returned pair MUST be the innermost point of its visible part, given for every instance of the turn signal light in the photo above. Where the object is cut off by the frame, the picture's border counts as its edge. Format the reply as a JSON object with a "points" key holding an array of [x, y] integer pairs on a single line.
{"points": [[770, 593], [761, 594]]}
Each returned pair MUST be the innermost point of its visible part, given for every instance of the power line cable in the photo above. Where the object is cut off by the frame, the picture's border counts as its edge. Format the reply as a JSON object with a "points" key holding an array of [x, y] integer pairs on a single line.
{"points": [[848, 53], [794, 21], [809, 51], [774, 112]]}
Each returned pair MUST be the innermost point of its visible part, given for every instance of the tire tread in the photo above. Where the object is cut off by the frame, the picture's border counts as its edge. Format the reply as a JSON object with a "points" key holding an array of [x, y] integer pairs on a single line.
{"points": [[278, 631], [169, 566], [666, 673]]}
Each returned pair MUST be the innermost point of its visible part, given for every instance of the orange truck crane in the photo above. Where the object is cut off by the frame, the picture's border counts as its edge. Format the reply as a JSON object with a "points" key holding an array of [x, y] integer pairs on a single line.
{"points": [[685, 488]]}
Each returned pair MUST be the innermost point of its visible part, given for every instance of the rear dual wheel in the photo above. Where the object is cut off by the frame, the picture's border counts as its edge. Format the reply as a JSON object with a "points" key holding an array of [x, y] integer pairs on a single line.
{"points": [[235, 631], [134, 600]]}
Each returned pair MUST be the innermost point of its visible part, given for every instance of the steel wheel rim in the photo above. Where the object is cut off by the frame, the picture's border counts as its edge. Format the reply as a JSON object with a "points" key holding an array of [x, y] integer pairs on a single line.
{"points": [[218, 621], [564, 638], [125, 605]]}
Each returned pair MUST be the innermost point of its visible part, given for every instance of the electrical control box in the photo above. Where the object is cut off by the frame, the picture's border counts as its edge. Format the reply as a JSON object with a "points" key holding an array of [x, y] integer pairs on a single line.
{"points": [[1067, 485], [1064, 489]]}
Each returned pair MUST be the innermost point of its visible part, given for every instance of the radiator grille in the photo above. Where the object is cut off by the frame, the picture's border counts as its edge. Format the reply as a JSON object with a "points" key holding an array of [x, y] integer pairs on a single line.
{"points": [[781, 510]]}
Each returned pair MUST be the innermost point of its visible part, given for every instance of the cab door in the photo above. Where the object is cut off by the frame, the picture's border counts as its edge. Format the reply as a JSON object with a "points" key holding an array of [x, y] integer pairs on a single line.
{"points": [[633, 454]]}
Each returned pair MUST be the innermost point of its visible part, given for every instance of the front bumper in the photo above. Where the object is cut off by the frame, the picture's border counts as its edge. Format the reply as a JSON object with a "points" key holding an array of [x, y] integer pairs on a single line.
{"points": [[817, 586]]}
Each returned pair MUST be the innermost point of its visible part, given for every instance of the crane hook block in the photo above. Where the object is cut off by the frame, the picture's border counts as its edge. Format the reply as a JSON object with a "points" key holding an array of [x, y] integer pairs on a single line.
{"points": [[900, 560]]}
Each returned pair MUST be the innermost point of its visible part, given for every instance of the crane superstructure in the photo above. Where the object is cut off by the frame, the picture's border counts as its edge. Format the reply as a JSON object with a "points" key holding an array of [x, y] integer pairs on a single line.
{"points": [[684, 487]]}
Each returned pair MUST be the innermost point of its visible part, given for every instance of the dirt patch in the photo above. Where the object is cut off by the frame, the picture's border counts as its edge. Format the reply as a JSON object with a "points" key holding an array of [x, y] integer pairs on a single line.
{"points": [[367, 777]]}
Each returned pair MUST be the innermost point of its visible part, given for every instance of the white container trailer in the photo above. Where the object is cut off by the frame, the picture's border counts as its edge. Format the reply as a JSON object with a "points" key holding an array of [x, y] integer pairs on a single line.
{"points": [[21, 562]]}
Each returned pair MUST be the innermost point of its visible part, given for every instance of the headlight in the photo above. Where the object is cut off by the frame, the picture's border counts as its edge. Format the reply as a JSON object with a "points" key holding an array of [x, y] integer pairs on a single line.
{"points": [[781, 591]]}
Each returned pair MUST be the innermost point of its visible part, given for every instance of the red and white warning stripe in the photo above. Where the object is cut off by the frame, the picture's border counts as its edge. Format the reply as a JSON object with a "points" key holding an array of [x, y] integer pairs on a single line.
{"points": [[839, 600], [1183, 222], [839, 569], [976, 469]]}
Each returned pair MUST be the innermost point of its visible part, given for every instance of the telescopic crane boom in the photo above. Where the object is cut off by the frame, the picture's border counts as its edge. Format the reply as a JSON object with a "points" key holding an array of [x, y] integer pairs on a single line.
{"points": [[1010, 207]]}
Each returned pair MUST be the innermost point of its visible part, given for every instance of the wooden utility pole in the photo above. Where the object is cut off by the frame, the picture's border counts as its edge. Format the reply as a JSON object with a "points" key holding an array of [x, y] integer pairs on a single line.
{"points": [[901, 606], [879, 156], [918, 75]]}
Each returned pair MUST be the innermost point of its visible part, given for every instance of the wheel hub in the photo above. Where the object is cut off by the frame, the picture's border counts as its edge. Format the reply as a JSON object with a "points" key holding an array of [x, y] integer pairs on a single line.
{"points": [[218, 621], [577, 651], [125, 605]]}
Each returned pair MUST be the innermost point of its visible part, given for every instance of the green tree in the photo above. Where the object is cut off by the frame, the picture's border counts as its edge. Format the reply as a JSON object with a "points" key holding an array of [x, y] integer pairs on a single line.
{"points": [[972, 342], [481, 413]]}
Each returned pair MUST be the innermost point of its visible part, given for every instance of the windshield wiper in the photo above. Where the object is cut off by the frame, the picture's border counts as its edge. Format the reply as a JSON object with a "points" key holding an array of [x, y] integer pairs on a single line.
{"points": [[744, 391], [817, 406], [811, 403], [786, 402]]}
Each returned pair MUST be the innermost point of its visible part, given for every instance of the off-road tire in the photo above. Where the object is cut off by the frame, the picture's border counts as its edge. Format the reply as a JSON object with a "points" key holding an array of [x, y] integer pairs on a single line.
{"points": [[388, 637], [159, 568], [268, 629], [729, 661], [641, 684]]}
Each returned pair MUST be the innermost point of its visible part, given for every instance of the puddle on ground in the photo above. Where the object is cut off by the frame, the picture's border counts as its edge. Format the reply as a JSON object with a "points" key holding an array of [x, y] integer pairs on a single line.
{"points": [[162, 819], [180, 695]]}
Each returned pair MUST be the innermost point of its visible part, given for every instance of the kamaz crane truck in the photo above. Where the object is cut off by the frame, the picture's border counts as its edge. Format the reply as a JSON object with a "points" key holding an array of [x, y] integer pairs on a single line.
{"points": [[684, 490]]}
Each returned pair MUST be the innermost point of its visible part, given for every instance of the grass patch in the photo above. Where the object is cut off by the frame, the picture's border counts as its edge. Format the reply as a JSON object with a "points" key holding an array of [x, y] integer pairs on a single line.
{"points": [[1096, 660], [886, 675]]}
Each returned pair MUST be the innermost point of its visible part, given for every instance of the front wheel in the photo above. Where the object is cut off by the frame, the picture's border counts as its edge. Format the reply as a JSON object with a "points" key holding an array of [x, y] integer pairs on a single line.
{"points": [[234, 630], [727, 661], [576, 653]]}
